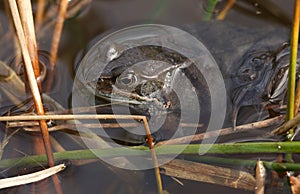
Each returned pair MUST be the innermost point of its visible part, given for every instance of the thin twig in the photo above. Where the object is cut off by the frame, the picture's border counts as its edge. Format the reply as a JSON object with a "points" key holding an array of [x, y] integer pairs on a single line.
{"points": [[224, 12], [32, 125], [56, 38], [287, 126], [57, 31], [79, 5], [5, 141], [39, 13], [70, 117], [225, 131], [154, 157]]}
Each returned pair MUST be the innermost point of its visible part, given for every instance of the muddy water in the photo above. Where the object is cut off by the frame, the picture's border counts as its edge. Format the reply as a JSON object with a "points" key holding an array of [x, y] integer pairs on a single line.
{"points": [[256, 28]]}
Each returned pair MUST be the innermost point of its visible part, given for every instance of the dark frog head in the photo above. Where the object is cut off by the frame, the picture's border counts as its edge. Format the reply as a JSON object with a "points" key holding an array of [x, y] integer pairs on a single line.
{"points": [[142, 76]]}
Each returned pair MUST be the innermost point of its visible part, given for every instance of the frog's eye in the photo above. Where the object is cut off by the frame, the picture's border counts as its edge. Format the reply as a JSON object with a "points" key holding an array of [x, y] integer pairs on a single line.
{"points": [[258, 62], [127, 79]]}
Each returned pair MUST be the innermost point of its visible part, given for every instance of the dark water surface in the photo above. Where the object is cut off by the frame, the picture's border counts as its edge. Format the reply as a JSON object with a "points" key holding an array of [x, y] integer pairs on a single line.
{"points": [[248, 28]]}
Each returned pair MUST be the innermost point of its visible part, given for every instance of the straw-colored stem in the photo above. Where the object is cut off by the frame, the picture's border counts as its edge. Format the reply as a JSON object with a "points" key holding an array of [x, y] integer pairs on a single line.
{"points": [[292, 72], [33, 86], [29, 32], [154, 158], [69, 117], [287, 126], [293, 61], [294, 50], [39, 13]]}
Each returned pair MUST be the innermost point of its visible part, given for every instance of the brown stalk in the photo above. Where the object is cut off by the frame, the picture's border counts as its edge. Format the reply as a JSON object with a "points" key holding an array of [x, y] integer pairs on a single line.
{"points": [[154, 158], [33, 87], [224, 12], [28, 27], [39, 14], [57, 31], [69, 117], [287, 126], [32, 125], [56, 38], [225, 131]]}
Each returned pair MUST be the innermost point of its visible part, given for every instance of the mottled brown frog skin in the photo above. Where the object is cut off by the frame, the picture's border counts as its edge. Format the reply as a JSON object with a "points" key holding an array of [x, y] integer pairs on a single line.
{"points": [[143, 76]]}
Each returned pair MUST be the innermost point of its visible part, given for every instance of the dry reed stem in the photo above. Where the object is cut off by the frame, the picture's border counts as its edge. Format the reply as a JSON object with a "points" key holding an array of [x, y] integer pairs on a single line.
{"points": [[55, 40], [195, 171], [293, 64], [34, 88], [225, 131], [30, 178], [287, 126], [69, 117], [154, 157], [29, 70], [32, 125], [75, 9], [224, 12], [29, 32], [260, 176], [57, 31], [39, 14], [294, 50]]}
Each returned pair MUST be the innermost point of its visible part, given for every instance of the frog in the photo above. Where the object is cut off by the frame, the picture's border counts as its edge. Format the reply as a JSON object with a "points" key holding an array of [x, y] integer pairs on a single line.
{"points": [[143, 78], [263, 79]]}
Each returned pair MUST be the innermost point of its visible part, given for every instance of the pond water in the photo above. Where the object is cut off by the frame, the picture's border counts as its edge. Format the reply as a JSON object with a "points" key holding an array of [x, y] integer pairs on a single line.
{"points": [[250, 28]]}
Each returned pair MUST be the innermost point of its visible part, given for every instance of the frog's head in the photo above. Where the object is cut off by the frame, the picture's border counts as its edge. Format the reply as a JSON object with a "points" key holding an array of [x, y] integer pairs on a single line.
{"points": [[253, 64], [141, 81]]}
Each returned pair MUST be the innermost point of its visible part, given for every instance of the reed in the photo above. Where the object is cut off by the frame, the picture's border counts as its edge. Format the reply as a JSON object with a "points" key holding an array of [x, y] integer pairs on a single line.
{"points": [[32, 78], [209, 9], [189, 150]]}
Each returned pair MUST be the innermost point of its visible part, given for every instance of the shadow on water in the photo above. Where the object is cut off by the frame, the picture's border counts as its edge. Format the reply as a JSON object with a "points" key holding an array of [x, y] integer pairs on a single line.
{"points": [[248, 27]]}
